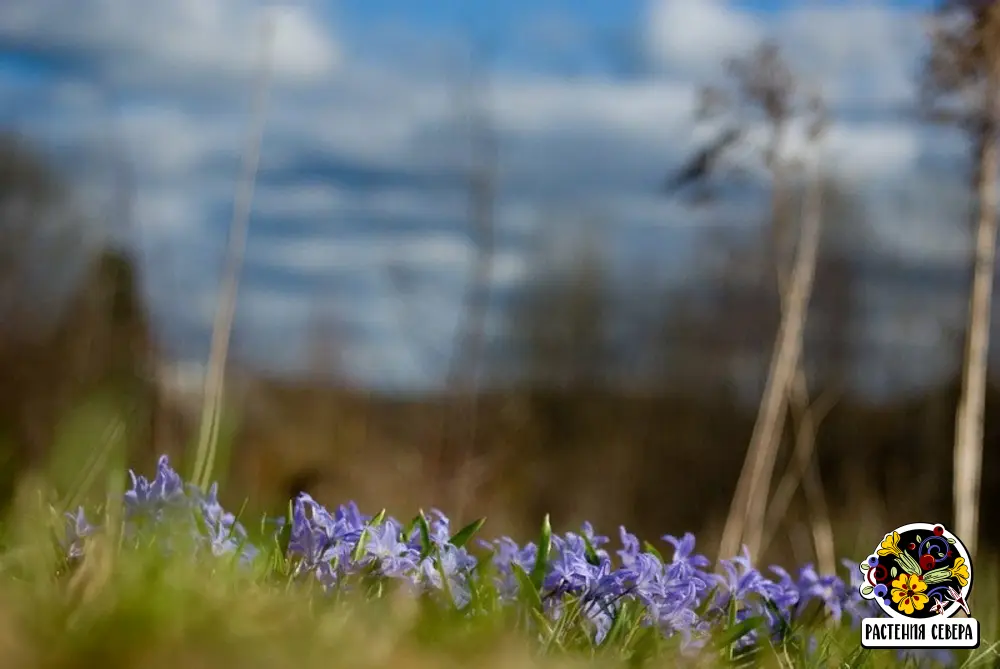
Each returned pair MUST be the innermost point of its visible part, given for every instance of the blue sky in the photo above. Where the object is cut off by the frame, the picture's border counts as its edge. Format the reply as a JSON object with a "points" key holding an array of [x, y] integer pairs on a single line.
{"points": [[365, 149]]}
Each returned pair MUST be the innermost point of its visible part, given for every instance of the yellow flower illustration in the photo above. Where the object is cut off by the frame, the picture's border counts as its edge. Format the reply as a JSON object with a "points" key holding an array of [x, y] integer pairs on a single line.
{"points": [[889, 545], [960, 570], [908, 593]]}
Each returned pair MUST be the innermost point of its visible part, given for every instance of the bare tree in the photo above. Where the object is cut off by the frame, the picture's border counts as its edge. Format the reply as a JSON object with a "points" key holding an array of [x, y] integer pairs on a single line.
{"points": [[962, 82], [832, 299], [786, 379], [766, 83]]}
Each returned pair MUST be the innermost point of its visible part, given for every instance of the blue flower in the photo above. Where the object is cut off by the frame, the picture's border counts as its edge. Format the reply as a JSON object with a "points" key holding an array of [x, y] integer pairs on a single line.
{"points": [[317, 539], [742, 580], [675, 596], [828, 590], [225, 535], [507, 553], [77, 529], [147, 497], [391, 557], [630, 546], [455, 564], [852, 602]]}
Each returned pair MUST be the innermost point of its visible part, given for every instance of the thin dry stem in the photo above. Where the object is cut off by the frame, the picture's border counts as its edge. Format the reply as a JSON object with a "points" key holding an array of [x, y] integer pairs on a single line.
{"points": [[748, 509], [238, 230], [808, 415]]}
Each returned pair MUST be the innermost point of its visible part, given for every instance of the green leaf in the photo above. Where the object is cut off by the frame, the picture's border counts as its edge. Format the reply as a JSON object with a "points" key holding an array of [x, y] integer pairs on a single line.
{"points": [[859, 658], [893, 572], [865, 566], [462, 537], [542, 559], [590, 553], [544, 625], [425, 534], [359, 549], [731, 624], [618, 624], [527, 589], [646, 647], [738, 631], [867, 590], [650, 548], [951, 540], [784, 627], [565, 624], [284, 534], [918, 538]]}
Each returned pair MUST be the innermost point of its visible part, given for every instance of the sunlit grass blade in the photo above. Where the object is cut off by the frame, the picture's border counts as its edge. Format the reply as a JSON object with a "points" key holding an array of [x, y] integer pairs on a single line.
{"points": [[464, 535], [542, 558]]}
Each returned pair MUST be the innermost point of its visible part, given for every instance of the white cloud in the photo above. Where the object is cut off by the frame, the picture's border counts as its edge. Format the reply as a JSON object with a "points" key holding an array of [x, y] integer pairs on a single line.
{"points": [[694, 36], [363, 253], [925, 220], [148, 43], [168, 143], [857, 52], [587, 144], [644, 109], [314, 201], [870, 150], [509, 267]]}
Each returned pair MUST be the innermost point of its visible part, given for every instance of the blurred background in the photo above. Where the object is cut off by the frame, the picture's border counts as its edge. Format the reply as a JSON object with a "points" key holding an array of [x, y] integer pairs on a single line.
{"points": [[465, 284]]}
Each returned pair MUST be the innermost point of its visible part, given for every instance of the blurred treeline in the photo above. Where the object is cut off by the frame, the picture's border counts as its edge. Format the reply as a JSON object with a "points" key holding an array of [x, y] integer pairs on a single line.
{"points": [[610, 396]]}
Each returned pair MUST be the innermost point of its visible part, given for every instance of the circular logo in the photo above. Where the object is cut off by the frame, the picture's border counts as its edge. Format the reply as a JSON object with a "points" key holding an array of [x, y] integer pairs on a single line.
{"points": [[918, 571]]}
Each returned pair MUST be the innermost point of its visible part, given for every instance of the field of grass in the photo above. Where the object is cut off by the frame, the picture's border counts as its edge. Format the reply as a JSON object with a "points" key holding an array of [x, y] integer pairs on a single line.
{"points": [[161, 576]]}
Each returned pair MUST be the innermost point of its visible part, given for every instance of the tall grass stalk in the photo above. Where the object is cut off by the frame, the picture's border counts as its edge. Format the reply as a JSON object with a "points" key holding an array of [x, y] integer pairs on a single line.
{"points": [[222, 326]]}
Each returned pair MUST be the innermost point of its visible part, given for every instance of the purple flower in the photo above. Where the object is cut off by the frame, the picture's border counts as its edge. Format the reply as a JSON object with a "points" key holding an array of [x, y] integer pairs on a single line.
{"points": [[686, 569], [450, 567], [856, 607], [675, 596], [630, 546], [507, 553], [569, 571], [149, 498], [383, 547], [318, 539], [225, 535], [742, 581], [828, 590], [77, 529]]}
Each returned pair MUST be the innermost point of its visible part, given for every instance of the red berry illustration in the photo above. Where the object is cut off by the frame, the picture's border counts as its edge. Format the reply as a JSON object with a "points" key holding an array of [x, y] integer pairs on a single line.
{"points": [[938, 530], [912, 545], [927, 562]]}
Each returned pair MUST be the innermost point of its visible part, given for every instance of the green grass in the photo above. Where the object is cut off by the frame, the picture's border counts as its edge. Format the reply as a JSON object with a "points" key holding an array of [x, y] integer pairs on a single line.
{"points": [[124, 606]]}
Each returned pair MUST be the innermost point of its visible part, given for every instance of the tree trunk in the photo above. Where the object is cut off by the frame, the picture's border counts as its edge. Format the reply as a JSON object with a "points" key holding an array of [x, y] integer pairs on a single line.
{"points": [[971, 405]]}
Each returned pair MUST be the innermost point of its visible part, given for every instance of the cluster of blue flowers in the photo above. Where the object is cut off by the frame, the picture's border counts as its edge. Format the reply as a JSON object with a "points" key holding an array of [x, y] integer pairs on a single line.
{"points": [[568, 574], [167, 498]]}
